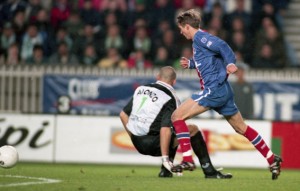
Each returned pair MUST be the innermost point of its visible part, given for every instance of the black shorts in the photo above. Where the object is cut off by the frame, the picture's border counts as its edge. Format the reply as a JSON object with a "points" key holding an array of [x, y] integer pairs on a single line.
{"points": [[150, 144]]}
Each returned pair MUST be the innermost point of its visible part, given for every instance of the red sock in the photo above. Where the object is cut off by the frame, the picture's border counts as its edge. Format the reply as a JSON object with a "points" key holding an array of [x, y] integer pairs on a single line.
{"points": [[259, 144], [183, 137]]}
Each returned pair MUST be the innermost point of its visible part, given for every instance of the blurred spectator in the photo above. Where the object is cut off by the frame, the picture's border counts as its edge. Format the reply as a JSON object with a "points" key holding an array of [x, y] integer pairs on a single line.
{"points": [[88, 37], [141, 41], [240, 12], [139, 23], [140, 11], [237, 25], [161, 58], [37, 56], [239, 43], [265, 58], [32, 37], [162, 10], [8, 37], [172, 47], [10, 8], [244, 89], [113, 59], [46, 30], [90, 57], [275, 39], [258, 17], [117, 7], [131, 33], [13, 55], [270, 8], [20, 24], [59, 13], [218, 13], [185, 52], [74, 25], [137, 60], [89, 15], [266, 23], [32, 10], [113, 39], [63, 36], [215, 24], [158, 33], [42, 21], [109, 19], [63, 56]]}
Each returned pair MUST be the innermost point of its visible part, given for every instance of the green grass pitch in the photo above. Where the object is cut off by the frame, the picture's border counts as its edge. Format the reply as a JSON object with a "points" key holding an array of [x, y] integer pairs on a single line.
{"points": [[83, 177]]}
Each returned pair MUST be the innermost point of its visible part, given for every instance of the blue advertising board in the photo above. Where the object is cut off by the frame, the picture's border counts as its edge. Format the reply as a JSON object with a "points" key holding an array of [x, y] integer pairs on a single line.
{"points": [[94, 95]]}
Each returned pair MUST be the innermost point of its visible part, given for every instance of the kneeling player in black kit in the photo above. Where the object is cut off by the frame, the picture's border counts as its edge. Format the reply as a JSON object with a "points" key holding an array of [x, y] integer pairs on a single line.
{"points": [[147, 119]]}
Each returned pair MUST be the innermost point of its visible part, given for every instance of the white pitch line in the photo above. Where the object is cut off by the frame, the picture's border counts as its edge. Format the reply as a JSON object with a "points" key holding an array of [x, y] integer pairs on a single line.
{"points": [[40, 180]]}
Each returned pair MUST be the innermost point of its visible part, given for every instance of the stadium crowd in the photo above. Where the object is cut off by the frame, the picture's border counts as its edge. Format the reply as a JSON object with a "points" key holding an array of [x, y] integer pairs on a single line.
{"points": [[136, 33]]}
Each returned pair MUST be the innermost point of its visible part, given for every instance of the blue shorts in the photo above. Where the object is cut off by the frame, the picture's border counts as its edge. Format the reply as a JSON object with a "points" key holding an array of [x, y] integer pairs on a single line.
{"points": [[218, 98]]}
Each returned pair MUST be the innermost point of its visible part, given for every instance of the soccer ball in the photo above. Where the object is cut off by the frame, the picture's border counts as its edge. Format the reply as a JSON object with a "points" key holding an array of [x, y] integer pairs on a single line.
{"points": [[8, 156]]}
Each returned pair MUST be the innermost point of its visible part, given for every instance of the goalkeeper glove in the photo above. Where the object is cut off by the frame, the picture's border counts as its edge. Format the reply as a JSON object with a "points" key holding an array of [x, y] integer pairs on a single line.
{"points": [[167, 163]]}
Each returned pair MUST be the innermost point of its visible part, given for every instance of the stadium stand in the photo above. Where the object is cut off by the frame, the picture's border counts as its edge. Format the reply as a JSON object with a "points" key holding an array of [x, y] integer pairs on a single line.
{"points": [[253, 28]]}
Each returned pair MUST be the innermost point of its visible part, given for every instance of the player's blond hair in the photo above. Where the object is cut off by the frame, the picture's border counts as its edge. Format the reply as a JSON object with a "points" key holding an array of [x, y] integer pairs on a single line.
{"points": [[191, 17]]}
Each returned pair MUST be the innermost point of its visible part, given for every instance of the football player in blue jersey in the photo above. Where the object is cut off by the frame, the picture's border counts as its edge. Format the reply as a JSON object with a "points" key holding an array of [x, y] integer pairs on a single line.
{"points": [[213, 60]]}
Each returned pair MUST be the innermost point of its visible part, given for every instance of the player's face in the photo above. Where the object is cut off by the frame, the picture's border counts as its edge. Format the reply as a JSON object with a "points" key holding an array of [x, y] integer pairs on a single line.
{"points": [[184, 30]]}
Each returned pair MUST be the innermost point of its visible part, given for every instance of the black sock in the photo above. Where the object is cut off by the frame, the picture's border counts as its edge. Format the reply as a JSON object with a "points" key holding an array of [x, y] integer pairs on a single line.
{"points": [[200, 149]]}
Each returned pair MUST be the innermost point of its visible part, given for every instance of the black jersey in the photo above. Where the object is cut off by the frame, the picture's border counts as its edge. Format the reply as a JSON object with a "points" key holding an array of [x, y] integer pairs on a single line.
{"points": [[151, 108]]}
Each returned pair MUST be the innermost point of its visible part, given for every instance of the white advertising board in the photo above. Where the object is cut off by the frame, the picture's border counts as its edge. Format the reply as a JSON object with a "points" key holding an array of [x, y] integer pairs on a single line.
{"points": [[32, 135], [91, 139], [103, 140]]}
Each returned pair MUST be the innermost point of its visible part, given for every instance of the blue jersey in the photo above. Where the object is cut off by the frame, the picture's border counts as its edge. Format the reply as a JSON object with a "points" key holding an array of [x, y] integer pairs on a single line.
{"points": [[211, 55]]}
